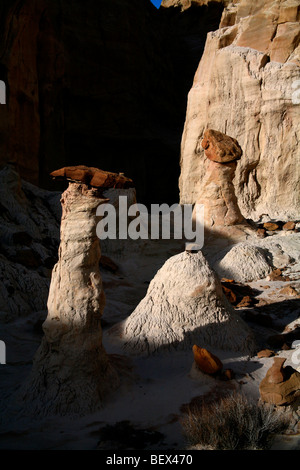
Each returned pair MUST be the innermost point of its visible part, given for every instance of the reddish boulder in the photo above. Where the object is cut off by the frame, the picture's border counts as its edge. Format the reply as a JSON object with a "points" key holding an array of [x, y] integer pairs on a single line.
{"points": [[271, 227], [206, 361], [220, 147], [281, 385], [289, 226]]}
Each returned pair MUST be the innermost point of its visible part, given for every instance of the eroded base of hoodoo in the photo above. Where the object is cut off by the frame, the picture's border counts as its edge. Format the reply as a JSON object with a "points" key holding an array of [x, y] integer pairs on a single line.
{"points": [[75, 385], [184, 305]]}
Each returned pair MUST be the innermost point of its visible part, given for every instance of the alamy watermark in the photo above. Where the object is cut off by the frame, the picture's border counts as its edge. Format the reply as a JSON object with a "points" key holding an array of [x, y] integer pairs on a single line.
{"points": [[2, 352], [178, 222], [2, 92]]}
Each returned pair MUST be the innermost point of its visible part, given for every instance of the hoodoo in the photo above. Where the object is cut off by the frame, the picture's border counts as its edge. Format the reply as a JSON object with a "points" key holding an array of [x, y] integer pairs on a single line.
{"points": [[71, 371]]}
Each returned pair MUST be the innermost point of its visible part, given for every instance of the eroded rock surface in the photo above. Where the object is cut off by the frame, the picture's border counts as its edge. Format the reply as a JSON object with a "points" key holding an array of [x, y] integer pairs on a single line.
{"points": [[184, 305]]}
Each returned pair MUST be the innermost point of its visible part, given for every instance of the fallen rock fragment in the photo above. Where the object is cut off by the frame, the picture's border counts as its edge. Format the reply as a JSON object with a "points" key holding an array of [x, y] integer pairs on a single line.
{"points": [[270, 226], [275, 374], [276, 275], [245, 302], [288, 290], [265, 353], [289, 226], [206, 361], [277, 341], [281, 385], [230, 295], [261, 233]]}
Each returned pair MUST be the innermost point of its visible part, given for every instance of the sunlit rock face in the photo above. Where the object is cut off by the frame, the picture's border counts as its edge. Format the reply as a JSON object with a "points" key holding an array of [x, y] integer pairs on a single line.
{"points": [[246, 87]]}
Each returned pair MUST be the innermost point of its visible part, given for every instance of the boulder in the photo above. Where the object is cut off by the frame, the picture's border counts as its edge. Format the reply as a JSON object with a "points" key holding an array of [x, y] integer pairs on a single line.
{"points": [[289, 226], [206, 361], [219, 147], [271, 226], [72, 374], [281, 385]]}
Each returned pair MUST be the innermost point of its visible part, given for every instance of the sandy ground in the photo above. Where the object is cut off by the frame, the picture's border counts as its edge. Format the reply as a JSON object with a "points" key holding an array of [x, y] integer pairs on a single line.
{"points": [[155, 399]]}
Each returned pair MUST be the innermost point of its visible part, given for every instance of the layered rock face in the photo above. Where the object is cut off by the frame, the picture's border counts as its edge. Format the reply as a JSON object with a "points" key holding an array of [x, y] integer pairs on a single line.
{"points": [[71, 371], [246, 86], [184, 305]]}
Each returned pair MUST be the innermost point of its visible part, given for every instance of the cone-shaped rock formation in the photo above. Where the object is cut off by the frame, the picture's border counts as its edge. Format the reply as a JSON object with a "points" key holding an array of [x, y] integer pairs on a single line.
{"points": [[184, 305]]}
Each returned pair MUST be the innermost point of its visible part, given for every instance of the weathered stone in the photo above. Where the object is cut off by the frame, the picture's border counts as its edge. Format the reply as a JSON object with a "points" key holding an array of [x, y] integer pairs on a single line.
{"points": [[265, 353], [71, 371], [243, 263], [230, 295], [289, 226], [93, 177], [285, 42], [271, 227], [206, 361], [184, 305], [275, 374], [220, 147]]}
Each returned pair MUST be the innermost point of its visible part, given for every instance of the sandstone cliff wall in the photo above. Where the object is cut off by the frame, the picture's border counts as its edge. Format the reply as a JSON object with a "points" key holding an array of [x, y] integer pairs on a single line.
{"points": [[246, 87]]}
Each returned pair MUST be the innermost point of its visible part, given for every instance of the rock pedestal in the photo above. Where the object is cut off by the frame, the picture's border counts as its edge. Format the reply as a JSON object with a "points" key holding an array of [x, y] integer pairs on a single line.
{"points": [[71, 371], [217, 192]]}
